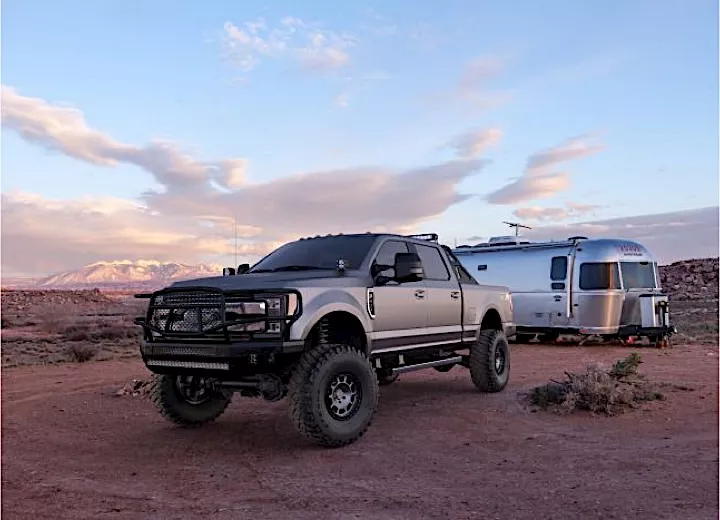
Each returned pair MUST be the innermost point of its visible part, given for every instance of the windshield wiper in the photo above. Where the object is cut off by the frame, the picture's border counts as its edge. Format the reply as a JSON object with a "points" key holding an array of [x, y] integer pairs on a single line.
{"points": [[289, 268]]}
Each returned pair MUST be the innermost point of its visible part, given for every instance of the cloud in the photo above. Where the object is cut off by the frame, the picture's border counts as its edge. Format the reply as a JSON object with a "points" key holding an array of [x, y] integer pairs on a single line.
{"points": [[43, 236], [574, 148], [64, 129], [359, 199], [472, 91], [530, 188], [538, 180], [192, 217], [473, 143], [310, 47], [670, 237], [46, 236], [555, 214]]}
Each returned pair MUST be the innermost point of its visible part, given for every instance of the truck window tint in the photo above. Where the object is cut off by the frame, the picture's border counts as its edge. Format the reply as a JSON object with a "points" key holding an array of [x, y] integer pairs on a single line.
{"points": [[558, 268], [460, 272], [638, 275], [386, 254], [321, 252], [433, 264], [596, 276]]}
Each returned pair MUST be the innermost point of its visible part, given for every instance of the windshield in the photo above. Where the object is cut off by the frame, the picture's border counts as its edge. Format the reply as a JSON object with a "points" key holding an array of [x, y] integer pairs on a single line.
{"points": [[317, 253], [638, 275]]}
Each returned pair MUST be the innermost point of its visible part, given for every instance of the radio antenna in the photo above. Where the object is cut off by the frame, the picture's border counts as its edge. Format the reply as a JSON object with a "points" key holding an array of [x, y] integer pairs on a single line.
{"points": [[517, 226], [235, 236]]}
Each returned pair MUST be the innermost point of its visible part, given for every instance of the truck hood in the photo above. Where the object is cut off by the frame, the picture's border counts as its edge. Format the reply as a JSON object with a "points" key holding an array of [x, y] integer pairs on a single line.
{"points": [[281, 280]]}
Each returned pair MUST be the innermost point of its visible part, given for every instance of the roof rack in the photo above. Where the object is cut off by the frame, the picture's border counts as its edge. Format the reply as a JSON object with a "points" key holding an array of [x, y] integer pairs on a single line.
{"points": [[430, 237]]}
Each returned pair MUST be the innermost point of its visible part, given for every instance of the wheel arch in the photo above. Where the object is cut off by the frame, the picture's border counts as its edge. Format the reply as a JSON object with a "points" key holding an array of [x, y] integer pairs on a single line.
{"points": [[338, 326]]}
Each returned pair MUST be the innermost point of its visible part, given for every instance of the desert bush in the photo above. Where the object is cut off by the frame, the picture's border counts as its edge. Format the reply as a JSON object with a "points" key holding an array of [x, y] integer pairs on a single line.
{"points": [[53, 318], [80, 353], [598, 389], [102, 331]]}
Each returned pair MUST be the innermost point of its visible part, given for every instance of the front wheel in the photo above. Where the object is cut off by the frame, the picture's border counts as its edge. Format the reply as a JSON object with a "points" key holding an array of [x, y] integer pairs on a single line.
{"points": [[333, 395], [187, 400], [490, 361]]}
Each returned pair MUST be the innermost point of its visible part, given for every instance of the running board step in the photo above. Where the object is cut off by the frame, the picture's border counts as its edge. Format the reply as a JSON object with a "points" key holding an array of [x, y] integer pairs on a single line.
{"points": [[420, 366]]}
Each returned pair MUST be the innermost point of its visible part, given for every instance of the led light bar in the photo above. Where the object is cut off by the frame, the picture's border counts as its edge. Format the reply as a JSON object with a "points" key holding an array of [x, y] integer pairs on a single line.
{"points": [[188, 364]]}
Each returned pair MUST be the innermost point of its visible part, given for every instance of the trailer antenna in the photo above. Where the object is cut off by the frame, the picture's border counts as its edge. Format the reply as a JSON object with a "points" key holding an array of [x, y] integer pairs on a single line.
{"points": [[517, 226]]}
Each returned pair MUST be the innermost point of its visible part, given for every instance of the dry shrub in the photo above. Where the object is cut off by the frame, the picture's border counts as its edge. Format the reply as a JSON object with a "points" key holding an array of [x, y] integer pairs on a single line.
{"points": [[598, 389], [53, 318], [102, 331], [80, 353]]}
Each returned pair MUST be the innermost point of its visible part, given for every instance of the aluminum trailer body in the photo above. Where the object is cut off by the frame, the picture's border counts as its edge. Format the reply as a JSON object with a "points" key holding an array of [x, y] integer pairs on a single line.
{"points": [[608, 287]]}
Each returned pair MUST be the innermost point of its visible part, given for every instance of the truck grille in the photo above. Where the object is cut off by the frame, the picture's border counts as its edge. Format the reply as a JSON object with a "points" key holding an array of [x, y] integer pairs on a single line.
{"points": [[208, 313]]}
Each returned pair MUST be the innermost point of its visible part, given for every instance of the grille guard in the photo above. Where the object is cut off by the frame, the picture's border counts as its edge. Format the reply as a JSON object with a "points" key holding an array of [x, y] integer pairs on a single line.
{"points": [[200, 300]]}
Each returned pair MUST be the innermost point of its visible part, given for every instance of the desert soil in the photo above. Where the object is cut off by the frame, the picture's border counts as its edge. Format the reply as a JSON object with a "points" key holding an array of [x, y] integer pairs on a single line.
{"points": [[73, 449]]}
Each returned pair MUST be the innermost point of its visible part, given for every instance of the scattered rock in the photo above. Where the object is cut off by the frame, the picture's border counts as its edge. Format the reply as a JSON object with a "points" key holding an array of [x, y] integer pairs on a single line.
{"points": [[695, 279], [138, 388]]}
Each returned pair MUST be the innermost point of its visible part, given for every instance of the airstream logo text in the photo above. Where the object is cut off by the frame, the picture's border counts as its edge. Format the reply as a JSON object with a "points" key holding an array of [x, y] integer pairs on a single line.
{"points": [[631, 250]]}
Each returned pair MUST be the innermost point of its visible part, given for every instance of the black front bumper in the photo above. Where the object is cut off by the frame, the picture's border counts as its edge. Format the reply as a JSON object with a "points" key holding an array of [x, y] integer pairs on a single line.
{"points": [[164, 357]]}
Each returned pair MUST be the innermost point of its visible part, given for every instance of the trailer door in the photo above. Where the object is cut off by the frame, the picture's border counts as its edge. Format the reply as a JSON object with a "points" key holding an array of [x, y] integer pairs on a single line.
{"points": [[559, 293]]}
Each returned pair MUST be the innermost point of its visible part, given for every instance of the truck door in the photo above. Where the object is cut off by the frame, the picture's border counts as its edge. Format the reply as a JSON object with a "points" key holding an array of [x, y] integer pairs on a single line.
{"points": [[559, 291], [443, 295], [400, 310]]}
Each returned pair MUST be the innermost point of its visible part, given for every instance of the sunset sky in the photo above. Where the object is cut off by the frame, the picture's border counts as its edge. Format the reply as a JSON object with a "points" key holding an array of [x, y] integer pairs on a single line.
{"points": [[140, 130]]}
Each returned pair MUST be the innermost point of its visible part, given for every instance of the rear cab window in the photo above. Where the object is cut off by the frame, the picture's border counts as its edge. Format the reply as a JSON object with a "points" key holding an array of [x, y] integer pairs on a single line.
{"points": [[433, 263]]}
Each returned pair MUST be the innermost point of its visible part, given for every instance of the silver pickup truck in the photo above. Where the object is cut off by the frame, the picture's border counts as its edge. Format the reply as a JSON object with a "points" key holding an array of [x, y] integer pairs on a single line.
{"points": [[323, 321]]}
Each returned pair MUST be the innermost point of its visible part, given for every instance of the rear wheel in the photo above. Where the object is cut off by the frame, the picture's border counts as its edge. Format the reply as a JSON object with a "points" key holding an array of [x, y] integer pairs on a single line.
{"points": [[333, 395], [489, 361], [187, 400]]}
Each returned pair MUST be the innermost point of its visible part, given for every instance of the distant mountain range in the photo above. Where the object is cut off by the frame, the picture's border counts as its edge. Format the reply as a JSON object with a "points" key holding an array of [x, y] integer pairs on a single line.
{"points": [[120, 274]]}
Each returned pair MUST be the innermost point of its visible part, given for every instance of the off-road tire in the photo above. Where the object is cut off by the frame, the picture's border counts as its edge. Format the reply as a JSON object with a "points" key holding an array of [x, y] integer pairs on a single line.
{"points": [[309, 383], [176, 409], [482, 362]]}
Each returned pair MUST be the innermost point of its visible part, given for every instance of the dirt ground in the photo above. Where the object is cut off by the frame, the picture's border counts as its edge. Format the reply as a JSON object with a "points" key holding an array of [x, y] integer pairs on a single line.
{"points": [[437, 449]]}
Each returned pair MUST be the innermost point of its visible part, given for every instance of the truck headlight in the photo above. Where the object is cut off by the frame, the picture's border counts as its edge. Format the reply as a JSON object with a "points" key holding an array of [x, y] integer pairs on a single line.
{"points": [[285, 305]]}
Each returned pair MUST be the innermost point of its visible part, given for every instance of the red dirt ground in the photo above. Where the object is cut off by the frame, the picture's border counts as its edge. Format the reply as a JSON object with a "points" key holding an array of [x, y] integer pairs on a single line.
{"points": [[437, 449]]}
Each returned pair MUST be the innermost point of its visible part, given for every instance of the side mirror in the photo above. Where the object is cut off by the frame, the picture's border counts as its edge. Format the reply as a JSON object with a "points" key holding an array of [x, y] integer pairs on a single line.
{"points": [[228, 271], [243, 268], [408, 267]]}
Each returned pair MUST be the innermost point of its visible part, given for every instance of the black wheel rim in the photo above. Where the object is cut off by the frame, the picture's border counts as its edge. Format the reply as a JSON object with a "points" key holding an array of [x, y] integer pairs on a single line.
{"points": [[194, 390], [343, 396], [499, 361]]}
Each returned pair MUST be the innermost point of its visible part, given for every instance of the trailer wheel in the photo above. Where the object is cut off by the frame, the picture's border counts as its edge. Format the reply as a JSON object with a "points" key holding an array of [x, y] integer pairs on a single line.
{"points": [[333, 394], [187, 400], [489, 361]]}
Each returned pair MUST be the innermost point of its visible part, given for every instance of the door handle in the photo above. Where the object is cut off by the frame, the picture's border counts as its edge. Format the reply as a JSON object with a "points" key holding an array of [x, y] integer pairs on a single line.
{"points": [[419, 294], [455, 295]]}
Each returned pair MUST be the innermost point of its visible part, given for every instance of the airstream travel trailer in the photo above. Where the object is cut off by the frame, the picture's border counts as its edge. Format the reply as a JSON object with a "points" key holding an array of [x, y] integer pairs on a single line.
{"points": [[606, 287]]}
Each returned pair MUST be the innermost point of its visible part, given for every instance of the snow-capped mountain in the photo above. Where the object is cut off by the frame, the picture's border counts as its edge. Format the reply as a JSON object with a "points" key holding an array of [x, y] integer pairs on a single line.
{"points": [[129, 273]]}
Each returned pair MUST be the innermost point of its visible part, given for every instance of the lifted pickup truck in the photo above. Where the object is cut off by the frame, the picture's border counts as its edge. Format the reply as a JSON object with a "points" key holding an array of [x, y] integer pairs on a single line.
{"points": [[323, 321]]}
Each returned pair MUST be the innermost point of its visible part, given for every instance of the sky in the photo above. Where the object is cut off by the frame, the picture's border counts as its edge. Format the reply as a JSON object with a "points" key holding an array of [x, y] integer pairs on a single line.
{"points": [[160, 130]]}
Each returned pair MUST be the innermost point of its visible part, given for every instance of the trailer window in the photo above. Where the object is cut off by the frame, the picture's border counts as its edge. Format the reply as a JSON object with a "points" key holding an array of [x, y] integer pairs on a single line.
{"points": [[638, 275], [599, 275], [558, 268]]}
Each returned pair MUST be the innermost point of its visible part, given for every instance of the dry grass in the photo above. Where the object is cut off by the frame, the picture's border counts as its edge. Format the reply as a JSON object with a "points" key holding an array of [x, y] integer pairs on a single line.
{"points": [[599, 389], [67, 327], [80, 353]]}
